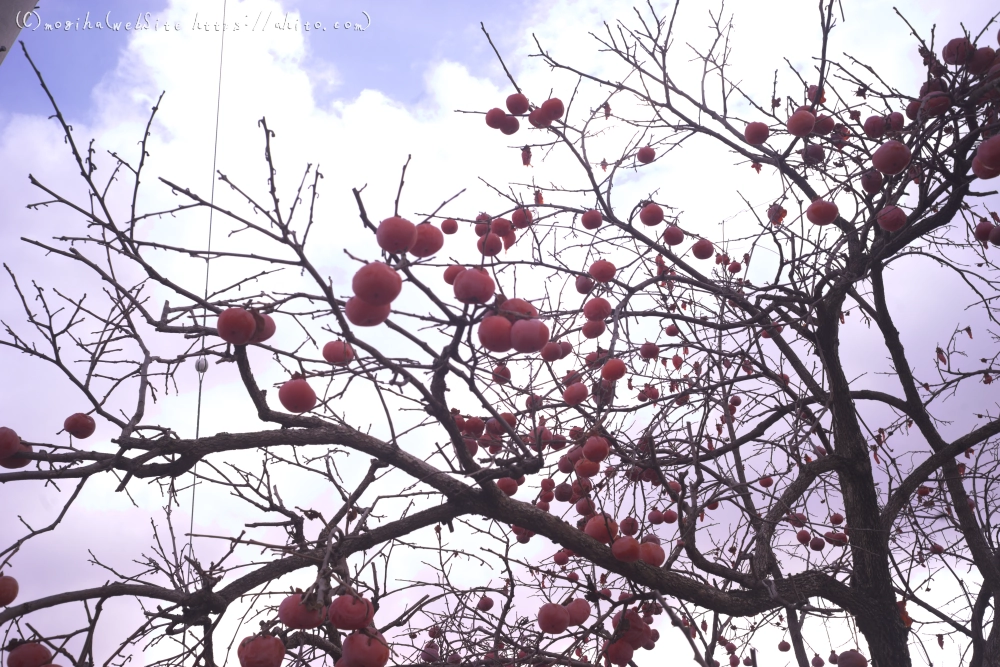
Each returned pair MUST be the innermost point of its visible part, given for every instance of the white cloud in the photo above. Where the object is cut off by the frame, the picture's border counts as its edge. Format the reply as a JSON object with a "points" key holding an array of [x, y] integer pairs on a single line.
{"points": [[364, 141]]}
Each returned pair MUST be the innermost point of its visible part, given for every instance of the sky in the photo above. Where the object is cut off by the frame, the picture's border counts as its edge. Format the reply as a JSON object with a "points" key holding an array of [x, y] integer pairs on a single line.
{"points": [[358, 102]]}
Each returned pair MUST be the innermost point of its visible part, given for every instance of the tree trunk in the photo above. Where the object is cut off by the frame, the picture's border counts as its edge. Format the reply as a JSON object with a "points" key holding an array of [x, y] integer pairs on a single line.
{"points": [[985, 652], [886, 635], [879, 621]]}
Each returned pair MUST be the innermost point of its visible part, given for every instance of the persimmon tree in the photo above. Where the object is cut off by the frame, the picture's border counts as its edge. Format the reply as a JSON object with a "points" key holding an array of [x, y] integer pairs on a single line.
{"points": [[666, 410]]}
